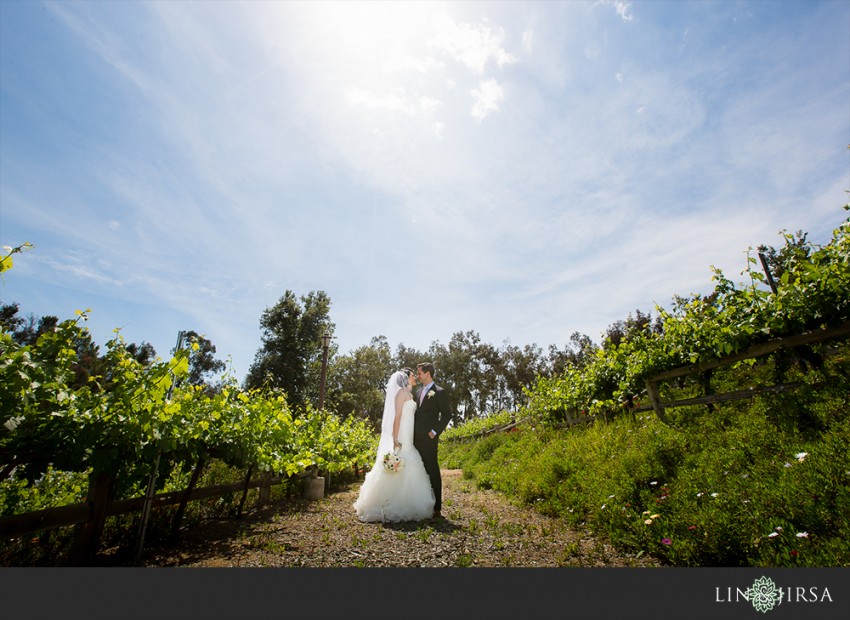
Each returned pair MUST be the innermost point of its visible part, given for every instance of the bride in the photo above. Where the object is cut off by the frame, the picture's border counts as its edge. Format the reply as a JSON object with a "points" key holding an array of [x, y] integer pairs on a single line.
{"points": [[405, 495]]}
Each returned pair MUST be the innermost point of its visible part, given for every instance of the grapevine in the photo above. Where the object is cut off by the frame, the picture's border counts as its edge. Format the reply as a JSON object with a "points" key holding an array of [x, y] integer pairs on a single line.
{"points": [[813, 293], [132, 415]]}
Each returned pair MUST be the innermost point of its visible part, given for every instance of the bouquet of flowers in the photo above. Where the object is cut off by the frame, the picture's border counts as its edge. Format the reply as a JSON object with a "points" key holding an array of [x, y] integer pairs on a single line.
{"points": [[392, 461]]}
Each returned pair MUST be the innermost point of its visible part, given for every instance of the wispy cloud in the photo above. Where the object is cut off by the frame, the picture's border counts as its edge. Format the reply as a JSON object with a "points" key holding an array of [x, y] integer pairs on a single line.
{"points": [[541, 173]]}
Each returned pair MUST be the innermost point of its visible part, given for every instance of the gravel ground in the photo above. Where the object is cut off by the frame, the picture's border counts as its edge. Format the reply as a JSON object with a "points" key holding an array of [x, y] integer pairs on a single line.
{"points": [[479, 528]]}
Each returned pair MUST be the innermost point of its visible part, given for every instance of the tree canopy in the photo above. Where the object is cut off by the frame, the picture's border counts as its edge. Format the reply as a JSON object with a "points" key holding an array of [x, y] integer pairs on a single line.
{"points": [[290, 356]]}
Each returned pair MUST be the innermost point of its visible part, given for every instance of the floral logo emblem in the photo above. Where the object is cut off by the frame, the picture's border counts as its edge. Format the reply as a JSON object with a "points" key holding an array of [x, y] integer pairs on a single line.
{"points": [[763, 594]]}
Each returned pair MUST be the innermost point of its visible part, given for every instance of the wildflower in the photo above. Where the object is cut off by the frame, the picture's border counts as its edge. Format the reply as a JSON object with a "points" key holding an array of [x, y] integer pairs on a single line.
{"points": [[648, 521], [654, 482], [666, 541], [715, 494], [603, 506], [773, 535], [778, 528], [654, 516], [700, 494], [787, 465], [611, 496], [794, 553], [802, 534], [800, 456], [692, 527]]}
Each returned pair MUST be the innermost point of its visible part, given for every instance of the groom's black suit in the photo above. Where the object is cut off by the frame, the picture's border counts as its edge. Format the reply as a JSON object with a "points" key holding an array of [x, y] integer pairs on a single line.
{"points": [[434, 413]]}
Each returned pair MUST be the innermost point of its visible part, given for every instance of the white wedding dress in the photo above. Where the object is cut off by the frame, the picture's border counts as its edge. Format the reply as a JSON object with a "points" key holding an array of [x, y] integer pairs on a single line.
{"points": [[405, 495]]}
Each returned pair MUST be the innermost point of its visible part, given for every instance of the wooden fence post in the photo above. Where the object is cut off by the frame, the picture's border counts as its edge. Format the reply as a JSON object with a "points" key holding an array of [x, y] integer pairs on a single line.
{"points": [[181, 508], [655, 399], [265, 490], [707, 389], [87, 535], [245, 489]]}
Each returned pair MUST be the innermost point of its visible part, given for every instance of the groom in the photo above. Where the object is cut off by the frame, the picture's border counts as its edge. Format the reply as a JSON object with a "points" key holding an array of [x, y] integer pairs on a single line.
{"points": [[433, 413]]}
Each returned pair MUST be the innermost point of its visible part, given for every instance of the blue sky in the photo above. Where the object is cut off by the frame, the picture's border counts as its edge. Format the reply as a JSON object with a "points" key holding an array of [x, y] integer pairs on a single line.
{"points": [[525, 170]]}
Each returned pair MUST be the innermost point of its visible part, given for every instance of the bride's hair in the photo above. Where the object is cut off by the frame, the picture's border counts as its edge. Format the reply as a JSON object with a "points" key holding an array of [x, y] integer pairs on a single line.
{"points": [[403, 377], [396, 383]]}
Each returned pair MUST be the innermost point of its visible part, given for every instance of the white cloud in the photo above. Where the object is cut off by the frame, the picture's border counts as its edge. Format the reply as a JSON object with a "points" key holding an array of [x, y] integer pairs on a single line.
{"points": [[528, 41], [487, 96], [624, 10], [473, 45]]}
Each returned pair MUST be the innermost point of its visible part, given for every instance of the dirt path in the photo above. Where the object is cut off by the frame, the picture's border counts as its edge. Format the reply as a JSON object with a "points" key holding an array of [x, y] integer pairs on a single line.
{"points": [[479, 528]]}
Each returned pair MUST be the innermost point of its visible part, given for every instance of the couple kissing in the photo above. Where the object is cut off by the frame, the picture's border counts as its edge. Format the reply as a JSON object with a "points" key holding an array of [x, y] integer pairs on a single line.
{"points": [[413, 419]]}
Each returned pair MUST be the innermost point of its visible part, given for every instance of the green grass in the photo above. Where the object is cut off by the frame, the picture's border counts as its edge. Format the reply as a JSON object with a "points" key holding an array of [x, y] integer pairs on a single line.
{"points": [[761, 482]]}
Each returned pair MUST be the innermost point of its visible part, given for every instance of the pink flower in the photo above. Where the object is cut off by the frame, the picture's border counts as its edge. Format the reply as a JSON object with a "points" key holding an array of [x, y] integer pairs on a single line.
{"points": [[666, 541]]}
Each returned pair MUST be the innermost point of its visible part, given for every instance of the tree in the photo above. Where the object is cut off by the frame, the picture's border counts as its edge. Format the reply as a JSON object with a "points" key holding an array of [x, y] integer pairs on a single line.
{"points": [[145, 354], [518, 370], [201, 359], [796, 249], [25, 331], [623, 331], [578, 352], [356, 381], [405, 357], [467, 368], [9, 319], [290, 357]]}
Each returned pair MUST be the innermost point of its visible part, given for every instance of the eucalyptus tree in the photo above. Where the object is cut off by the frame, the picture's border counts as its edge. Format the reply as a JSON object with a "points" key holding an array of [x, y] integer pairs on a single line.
{"points": [[518, 370], [202, 361], [578, 352], [356, 381], [407, 357], [290, 356], [466, 366]]}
